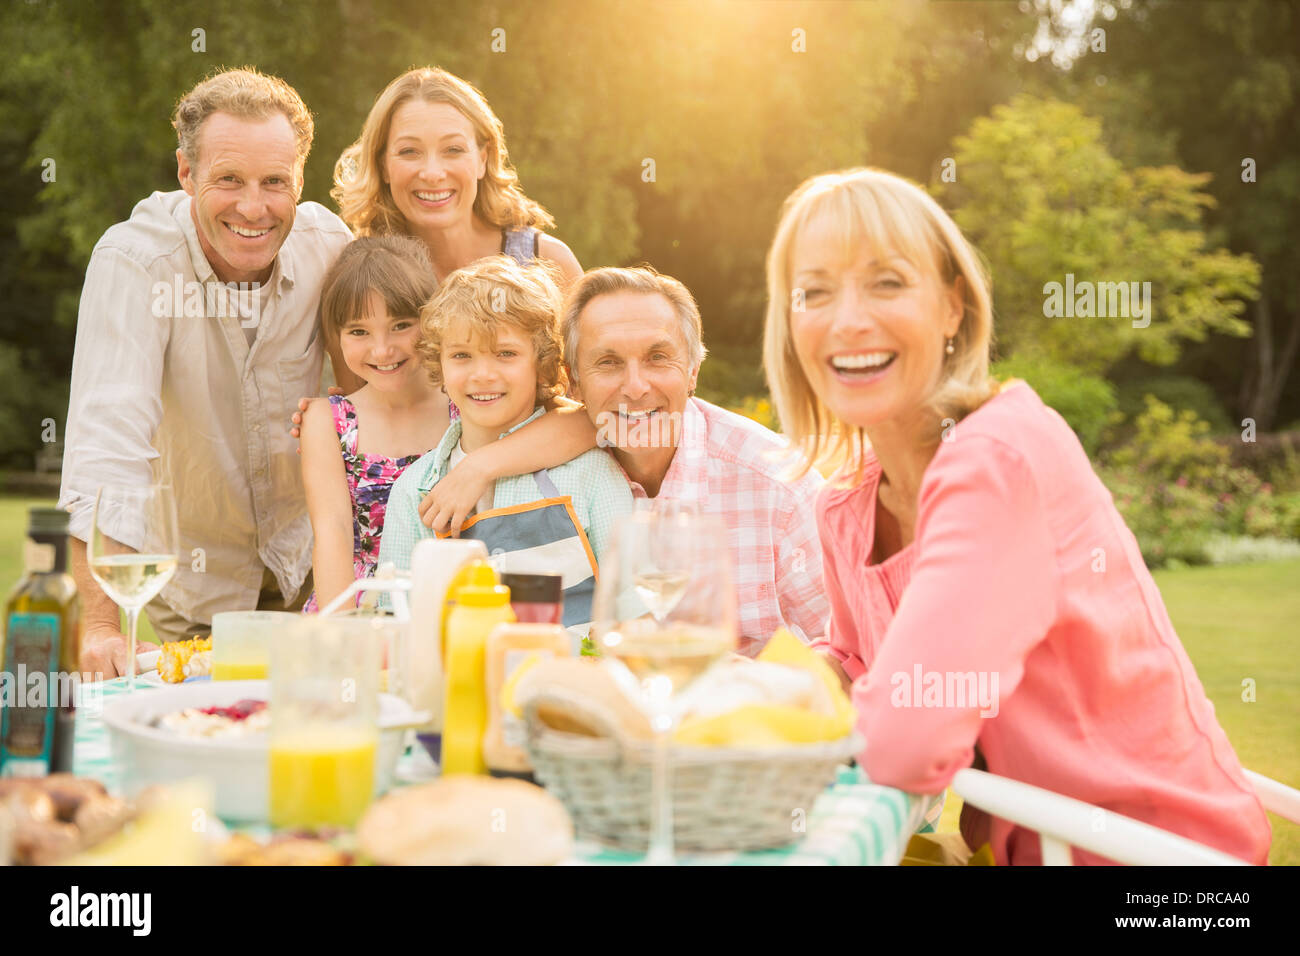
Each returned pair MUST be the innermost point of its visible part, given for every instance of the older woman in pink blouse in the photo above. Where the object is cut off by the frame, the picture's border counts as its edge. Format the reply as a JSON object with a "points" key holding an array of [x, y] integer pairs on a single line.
{"points": [[987, 600]]}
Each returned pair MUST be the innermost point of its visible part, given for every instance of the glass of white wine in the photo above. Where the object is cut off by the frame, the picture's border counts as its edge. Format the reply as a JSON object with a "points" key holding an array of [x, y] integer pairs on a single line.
{"points": [[664, 612], [132, 550]]}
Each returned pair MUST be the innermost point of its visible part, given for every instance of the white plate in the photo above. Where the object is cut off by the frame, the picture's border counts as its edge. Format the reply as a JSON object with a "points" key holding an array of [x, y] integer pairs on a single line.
{"points": [[237, 767]]}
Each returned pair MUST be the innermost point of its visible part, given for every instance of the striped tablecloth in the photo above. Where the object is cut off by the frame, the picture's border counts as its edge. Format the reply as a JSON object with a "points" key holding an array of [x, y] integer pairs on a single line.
{"points": [[854, 823]]}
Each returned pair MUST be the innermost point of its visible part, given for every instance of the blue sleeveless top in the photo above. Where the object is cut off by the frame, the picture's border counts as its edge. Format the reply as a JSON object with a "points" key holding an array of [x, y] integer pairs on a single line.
{"points": [[520, 244]]}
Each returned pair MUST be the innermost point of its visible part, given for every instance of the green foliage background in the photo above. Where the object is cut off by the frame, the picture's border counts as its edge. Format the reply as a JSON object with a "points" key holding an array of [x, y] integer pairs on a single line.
{"points": [[1113, 156], [1125, 166]]}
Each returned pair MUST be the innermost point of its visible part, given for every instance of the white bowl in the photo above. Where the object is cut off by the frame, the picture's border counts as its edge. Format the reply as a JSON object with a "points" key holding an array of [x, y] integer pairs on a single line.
{"points": [[238, 767]]}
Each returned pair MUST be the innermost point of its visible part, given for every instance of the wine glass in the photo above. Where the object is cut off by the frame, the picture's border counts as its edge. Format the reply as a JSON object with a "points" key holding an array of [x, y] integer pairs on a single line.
{"points": [[132, 550], [664, 611]]}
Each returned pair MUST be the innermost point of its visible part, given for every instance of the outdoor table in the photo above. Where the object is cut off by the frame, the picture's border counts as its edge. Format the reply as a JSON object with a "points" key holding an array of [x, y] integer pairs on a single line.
{"points": [[853, 823]]}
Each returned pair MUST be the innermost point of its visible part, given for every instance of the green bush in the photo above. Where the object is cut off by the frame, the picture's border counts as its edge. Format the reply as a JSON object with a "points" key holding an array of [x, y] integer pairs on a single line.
{"points": [[1168, 446], [1288, 507], [1178, 391], [729, 376], [1274, 456], [1087, 402], [759, 408], [1246, 505], [1171, 522], [1178, 492]]}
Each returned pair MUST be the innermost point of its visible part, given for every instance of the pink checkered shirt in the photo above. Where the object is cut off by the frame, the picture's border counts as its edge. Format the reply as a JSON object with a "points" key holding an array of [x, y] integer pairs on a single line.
{"points": [[731, 466]]}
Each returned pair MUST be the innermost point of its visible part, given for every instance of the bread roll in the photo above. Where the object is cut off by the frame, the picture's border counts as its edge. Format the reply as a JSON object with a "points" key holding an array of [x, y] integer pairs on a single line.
{"points": [[467, 821], [578, 696]]}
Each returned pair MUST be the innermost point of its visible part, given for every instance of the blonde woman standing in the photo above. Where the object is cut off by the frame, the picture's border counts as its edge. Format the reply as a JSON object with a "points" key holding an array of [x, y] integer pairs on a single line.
{"points": [[962, 540], [431, 162]]}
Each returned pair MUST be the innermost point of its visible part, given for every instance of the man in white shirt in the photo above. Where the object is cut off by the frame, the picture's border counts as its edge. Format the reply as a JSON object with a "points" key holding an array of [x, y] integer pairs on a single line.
{"points": [[196, 336]]}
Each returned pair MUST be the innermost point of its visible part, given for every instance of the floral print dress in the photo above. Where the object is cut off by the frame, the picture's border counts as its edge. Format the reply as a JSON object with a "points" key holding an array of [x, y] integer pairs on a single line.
{"points": [[370, 479]]}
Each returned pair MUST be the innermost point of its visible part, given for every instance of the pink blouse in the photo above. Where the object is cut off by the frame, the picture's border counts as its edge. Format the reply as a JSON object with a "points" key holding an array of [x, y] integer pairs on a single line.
{"points": [[1022, 619]]}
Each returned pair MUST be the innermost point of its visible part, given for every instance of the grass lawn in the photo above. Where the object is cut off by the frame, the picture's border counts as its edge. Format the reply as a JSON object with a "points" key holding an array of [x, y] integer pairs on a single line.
{"points": [[1237, 623], [1242, 623]]}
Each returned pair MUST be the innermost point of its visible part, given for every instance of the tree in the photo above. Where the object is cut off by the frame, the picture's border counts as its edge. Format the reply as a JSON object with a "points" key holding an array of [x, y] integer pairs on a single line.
{"points": [[733, 104], [1041, 196], [1218, 86]]}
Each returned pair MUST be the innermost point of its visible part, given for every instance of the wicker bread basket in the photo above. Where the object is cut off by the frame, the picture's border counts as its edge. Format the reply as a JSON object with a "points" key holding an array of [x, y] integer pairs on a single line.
{"points": [[723, 799]]}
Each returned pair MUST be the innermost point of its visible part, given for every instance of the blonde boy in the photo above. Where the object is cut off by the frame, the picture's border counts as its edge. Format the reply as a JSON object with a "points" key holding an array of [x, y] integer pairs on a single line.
{"points": [[491, 339]]}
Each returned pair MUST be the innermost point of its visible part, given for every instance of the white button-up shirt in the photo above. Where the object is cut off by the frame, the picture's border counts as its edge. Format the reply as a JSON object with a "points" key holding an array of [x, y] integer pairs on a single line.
{"points": [[166, 387]]}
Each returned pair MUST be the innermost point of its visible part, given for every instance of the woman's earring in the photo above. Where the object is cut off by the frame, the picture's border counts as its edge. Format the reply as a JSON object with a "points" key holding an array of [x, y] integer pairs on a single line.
{"points": [[950, 349]]}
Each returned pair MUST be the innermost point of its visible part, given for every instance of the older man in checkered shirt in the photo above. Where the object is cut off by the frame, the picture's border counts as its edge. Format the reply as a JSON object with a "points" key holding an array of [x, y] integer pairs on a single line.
{"points": [[633, 344]]}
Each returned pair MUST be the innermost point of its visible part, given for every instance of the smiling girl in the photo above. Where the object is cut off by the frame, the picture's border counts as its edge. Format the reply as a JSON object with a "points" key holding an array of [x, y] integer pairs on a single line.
{"points": [[370, 305]]}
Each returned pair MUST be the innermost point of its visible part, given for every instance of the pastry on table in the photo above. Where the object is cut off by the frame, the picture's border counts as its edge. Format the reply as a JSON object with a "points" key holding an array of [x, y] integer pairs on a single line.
{"points": [[44, 820], [467, 821], [243, 850]]}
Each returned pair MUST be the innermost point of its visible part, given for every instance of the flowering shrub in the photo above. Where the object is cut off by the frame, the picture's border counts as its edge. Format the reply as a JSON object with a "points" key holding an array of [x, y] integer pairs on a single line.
{"points": [[1274, 456], [1169, 520], [1288, 512], [1178, 391], [1086, 402], [1177, 491], [1169, 445]]}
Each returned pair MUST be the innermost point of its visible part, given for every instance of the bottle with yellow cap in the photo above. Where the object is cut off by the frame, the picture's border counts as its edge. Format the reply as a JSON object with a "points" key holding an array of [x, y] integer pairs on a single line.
{"points": [[482, 603]]}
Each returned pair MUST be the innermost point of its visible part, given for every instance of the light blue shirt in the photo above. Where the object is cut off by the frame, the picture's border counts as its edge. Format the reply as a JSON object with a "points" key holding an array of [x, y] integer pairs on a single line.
{"points": [[593, 481]]}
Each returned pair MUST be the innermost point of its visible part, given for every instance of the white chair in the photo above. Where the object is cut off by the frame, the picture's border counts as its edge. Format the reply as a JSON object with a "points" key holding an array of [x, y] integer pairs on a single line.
{"points": [[1063, 822], [1277, 797]]}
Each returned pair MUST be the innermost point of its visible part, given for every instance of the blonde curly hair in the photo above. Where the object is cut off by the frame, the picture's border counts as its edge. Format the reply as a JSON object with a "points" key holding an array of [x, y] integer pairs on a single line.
{"points": [[488, 293], [365, 201]]}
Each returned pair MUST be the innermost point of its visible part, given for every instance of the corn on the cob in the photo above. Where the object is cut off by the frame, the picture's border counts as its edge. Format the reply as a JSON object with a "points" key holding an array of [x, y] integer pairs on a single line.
{"points": [[174, 656]]}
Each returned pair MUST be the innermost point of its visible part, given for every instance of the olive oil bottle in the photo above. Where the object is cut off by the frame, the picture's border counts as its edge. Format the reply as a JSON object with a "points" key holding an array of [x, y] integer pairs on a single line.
{"points": [[39, 655]]}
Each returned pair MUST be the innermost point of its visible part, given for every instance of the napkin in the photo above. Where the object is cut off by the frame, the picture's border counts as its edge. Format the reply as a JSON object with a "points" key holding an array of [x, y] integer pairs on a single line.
{"points": [[790, 696]]}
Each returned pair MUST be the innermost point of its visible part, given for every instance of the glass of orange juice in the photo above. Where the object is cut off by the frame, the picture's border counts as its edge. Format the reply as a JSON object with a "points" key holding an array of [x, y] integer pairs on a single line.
{"points": [[324, 723], [241, 642]]}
